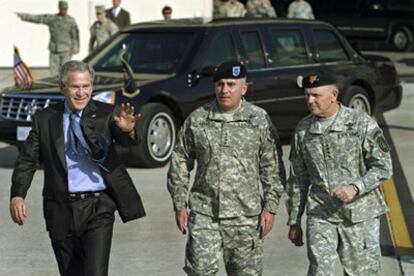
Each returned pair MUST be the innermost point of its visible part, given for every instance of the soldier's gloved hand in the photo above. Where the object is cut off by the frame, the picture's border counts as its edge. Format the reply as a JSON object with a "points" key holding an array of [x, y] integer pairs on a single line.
{"points": [[295, 235], [345, 193], [181, 218]]}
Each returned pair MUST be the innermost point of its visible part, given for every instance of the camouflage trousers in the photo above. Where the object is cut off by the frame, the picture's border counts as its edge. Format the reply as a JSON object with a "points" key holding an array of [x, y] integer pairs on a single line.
{"points": [[357, 246], [238, 239], [56, 60]]}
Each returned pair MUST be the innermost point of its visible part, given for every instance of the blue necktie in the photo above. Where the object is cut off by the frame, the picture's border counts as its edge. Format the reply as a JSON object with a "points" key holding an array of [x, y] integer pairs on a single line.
{"points": [[79, 145], [77, 141]]}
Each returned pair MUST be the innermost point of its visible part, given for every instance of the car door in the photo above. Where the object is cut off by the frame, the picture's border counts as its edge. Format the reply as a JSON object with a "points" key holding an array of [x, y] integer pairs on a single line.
{"points": [[273, 82]]}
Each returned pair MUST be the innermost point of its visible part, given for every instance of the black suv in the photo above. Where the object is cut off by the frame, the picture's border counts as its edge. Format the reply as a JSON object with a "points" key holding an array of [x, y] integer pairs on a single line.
{"points": [[390, 21], [173, 65]]}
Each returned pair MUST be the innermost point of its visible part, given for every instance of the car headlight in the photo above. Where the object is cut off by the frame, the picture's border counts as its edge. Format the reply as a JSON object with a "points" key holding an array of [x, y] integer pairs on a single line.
{"points": [[106, 97]]}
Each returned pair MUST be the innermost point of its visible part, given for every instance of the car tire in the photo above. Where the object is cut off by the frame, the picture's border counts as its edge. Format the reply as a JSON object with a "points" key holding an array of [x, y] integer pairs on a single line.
{"points": [[157, 129], [357, 98], [402, 39]]}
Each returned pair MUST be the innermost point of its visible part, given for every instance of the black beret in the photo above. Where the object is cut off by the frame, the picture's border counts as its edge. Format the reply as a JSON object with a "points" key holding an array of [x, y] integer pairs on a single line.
{"points": [[230, 70], [321, 77]]}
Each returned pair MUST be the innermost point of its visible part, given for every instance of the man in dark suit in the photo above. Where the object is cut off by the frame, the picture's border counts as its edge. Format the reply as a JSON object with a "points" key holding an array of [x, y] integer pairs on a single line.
{"points": [[84, 179], [118, 15]]}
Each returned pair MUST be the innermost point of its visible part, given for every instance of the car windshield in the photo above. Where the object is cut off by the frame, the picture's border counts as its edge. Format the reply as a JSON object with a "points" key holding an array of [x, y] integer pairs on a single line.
{"points": [[152, 53]]}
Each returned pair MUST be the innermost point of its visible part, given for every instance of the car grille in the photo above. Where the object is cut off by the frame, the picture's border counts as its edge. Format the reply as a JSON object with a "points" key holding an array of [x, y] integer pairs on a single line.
{"points": [[21, 107]]}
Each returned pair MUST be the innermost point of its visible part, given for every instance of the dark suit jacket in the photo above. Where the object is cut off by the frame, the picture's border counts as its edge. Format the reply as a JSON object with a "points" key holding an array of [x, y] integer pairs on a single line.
{"points": [[45, 145], [122, 20]]}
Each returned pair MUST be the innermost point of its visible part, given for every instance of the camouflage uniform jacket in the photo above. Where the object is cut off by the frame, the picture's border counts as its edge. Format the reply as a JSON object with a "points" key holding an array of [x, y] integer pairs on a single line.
{"points": [[301, 10], [64, 33], [260, 8], [233, 158], [100, 32], [233, 10], [352, 150]]}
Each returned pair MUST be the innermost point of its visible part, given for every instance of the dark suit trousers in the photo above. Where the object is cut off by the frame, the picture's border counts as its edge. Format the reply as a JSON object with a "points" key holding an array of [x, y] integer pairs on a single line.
{"points": [[85, 251]]}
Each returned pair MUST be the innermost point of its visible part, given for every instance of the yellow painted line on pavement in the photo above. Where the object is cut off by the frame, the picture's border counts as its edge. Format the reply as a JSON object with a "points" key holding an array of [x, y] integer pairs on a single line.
{"points": [[396, 222]]}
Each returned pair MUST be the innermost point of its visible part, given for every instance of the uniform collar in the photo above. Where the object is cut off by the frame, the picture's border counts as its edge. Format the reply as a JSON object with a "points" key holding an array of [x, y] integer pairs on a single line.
{"points": [[241, 114], [341, 122]]}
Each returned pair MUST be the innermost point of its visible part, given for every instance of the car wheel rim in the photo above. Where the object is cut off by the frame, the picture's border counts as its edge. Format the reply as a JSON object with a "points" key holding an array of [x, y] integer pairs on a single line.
{"points": [[360, 102], [160, 137], [400, 40]]}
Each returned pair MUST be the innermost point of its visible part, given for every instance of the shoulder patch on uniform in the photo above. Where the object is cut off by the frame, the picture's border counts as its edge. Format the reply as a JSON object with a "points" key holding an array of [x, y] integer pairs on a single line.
{"points": [[382, 143]]}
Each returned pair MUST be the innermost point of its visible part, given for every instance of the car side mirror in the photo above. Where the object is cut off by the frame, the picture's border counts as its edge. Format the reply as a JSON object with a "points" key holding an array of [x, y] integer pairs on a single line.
{"points": [[194, 77], [130, 86]]}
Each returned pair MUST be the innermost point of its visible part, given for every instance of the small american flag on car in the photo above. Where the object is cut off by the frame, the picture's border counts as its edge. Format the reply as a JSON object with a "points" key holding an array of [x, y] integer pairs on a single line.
{"points": [[22, 74]]}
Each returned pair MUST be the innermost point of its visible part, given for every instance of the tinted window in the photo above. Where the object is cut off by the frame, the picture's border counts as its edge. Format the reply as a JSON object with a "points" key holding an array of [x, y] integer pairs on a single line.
{"points": [[254, 49], [289, 47], [156, 53], [329, 46], [222, 49]]}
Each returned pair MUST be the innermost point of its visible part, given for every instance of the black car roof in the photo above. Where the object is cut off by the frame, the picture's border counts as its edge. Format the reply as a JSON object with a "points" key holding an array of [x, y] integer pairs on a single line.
{"points": [[219, 22]]}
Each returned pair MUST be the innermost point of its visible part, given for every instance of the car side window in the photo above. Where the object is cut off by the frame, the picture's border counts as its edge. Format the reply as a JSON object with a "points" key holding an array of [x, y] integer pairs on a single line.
{"points": [[329, 46], [221, 50], [253, 45], [289, 47], [152, 53]]}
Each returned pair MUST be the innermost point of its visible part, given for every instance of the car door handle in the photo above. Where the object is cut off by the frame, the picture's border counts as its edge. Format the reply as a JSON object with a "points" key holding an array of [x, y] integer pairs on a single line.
{"points": [[250, 83]]}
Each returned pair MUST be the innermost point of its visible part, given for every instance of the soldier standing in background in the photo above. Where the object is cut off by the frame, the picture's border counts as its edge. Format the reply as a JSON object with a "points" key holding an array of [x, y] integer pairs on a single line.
{"points": [[233, 8], [64, 35], [237, 150], [260, 8], [300, 9], [217, 8], [338, 157], [118, 15], [102, 29]]}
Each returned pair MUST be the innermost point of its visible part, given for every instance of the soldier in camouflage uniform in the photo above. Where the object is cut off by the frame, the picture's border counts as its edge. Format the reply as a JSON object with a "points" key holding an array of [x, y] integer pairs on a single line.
{"points": [[300, 9], [339, 157], [237, 150], [102, 29], [64, 35], [260, 8]]}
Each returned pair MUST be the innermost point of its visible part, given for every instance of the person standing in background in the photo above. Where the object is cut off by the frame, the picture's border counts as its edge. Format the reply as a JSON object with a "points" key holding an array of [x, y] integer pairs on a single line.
{"points": [[217, 8], [64, 35], [260, 8], [166, 13], [102, 29], [233, 8], [300, 9], [118, 15]]}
